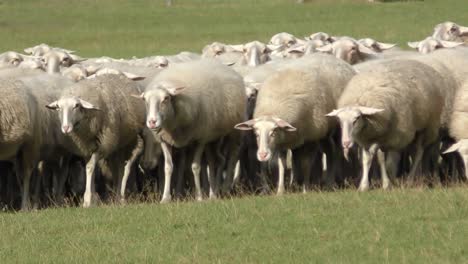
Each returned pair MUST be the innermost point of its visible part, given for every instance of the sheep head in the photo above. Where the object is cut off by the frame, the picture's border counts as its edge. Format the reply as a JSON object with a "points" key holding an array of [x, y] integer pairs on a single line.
{"points": [[71, 111], [352, 120], [449, 31], [431, 44], [268, 131], [159, 103], [347, 49]]}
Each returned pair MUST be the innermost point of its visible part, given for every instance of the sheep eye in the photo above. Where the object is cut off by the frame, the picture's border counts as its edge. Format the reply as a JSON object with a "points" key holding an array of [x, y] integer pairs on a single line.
{"points": [[76, 106], [453, 29]]}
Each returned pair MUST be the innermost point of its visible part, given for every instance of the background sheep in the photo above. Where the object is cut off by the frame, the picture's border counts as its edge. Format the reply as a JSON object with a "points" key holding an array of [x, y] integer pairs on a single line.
{"points": [[450, 31], [430, 44]]}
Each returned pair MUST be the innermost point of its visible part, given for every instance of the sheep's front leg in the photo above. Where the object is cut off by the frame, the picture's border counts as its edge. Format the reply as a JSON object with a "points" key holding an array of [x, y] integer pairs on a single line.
{"points": [[196, 168], [168, 168], [417, 158], [383, 169], [367, 156], [128, 166], [282, 170], [25, 172], [212, 173], [90, 167]]}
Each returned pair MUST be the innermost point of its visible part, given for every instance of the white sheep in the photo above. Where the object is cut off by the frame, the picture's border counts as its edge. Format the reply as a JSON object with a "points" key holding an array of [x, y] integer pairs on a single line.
{"points": [[450, 31], [103, 123], [291, 108], [387, 106], [430, 44], [181, 100]]}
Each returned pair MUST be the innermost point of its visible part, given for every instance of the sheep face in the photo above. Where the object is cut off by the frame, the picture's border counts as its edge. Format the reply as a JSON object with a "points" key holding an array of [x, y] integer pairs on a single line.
{"points": [[11, 58], [431, 44], [213, 50], [347, 49], [268, 131], [449, 31], [352, 121], [71, 111], [375, 45], [283, 39], [159, 105]]}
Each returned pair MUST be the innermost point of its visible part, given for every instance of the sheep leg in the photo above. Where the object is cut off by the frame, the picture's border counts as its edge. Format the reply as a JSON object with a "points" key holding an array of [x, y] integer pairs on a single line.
{"points": [[90, 167], [383, 169], [128, 166], [25, 172], [367, 156], [212, 173], [180, 173], [282, 168], [231, 166], [306, 161], [62, 175], [465, 162], [196, 168], [417, 158], [168, 168], [237, 172]]}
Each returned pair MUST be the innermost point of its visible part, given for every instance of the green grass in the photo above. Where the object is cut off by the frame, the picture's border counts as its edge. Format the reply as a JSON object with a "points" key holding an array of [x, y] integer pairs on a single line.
{"points": [[123, 28], [400, 226]]}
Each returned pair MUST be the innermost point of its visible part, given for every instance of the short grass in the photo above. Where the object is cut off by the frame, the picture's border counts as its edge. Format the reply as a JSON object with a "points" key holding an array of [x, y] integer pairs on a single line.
{"points": [[125, 28], [399, 226]]}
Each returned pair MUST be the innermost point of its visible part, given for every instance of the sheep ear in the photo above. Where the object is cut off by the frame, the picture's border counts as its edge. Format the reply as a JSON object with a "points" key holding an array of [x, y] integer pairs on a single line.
{"points": [[175, 90], [327, 48], [87, 105], [450, 44], [369, 110], [239, 48], [333, 113], [364, 49], [141, 96], [453, 148], [414, 44], [132, 76], [53, 105], [284, 125], [247, 125], [385, 46]]}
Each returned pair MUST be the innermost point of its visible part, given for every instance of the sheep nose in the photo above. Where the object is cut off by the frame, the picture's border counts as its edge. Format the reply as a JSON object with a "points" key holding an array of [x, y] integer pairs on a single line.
{"points": [[66, 128], [346, 144], [263, 155], [152, 123]]}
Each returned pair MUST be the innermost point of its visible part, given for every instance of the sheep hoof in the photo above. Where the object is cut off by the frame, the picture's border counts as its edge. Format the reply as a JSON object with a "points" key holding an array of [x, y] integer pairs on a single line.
{"points": [[363, 188], [280, 192], [199, 198], [86, 204], [166, 200], [123, 201], [386, 186]]}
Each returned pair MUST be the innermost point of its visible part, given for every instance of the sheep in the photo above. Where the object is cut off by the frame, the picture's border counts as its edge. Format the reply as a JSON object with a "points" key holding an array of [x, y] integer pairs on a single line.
{"points": [[457, 126], [349, 50], [103, 124], [291, 108], [300, 49], [27, 132], [450, 31], [41, 49], [320, 36], [283, 39], [430, 44], [10, 58], [375, 45], [53, 59], [179, 101], [252, 54], [387, 106]]}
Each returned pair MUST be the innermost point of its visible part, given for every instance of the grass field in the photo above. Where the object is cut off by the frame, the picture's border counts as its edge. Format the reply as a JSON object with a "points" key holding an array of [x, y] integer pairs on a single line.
{"points": [[410, 226], [400, 226], [123, 28]]}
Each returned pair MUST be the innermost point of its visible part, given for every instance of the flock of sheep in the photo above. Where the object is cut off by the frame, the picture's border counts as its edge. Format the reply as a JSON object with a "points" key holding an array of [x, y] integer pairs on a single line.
{"points": [[292, 113]]}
